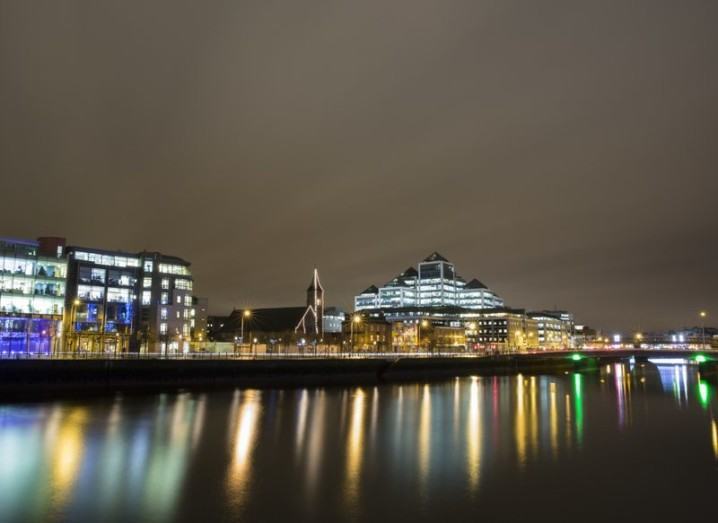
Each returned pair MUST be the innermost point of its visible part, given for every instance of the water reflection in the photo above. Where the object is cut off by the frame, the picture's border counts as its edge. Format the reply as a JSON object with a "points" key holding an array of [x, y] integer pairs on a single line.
{"points": [[355, 448], [474, 434], [520, 433], [553, 421], [64, 458], [424, 447], [67, 450], [244, 414], [157, 457]]}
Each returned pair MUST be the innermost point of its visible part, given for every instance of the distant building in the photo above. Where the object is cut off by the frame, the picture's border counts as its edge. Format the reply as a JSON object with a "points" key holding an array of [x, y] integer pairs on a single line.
{"points": [[434, 283], [366, 333], [333, 319], [506, 329], [277, 328], [554, 329], [198, 323], [272, 328], [312, 321]]}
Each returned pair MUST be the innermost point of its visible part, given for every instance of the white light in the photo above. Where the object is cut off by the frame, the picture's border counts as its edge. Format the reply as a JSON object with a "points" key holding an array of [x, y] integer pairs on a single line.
{"points": [[668, 361]]}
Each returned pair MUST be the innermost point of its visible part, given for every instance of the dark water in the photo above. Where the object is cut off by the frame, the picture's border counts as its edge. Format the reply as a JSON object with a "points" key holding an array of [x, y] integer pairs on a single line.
{"points": [[627, 443]]}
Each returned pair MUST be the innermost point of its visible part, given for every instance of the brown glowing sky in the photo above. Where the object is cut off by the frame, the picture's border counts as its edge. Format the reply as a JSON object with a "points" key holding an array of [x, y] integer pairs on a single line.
{"points": [[563, 152]]}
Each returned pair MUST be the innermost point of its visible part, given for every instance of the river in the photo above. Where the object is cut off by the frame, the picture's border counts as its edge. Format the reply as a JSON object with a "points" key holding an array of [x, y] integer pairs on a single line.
{"points": [[624, 443]]}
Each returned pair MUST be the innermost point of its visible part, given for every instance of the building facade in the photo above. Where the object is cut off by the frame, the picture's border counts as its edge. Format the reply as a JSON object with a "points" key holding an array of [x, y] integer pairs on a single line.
{"points": [[505, 330], [554, 329], [198, 323], [166, 304], [32, 295], [434, 283], [127, 302], [366, 333]]}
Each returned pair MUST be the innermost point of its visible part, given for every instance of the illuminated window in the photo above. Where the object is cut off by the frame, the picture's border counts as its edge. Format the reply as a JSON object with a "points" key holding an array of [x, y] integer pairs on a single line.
{"points": [[118, 295], [164, 298], [165, 283], [146, 283], [148, 266], [90, 293], [163, 313], [173, 269], [163, 328], [146, 297], [184, 285]]}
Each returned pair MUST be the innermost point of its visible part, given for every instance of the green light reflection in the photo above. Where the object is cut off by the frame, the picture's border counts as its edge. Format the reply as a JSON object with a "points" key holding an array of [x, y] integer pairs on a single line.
{"points": [[578, 406], [704, 394]]}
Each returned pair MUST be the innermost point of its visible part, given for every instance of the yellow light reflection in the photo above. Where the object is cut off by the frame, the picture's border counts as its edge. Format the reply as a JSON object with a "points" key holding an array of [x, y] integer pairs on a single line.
{"points": [[315, 442], [714, 438], [302, 422], [245, 424], [355, 447], [67, 454], [520, 434]]}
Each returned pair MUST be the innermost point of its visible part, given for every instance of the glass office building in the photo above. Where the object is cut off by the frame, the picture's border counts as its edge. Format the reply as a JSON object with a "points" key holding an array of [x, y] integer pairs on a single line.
{"points": [[32, 295], [127, 302], [434, 283], [101, 300]]}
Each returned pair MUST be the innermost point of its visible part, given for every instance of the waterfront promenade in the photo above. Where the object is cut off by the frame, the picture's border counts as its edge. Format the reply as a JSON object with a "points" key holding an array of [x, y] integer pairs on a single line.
{"points": [[116, 372]]}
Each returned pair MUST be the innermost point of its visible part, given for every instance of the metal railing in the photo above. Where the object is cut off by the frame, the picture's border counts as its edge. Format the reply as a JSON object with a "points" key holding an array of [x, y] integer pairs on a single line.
{"points": [[306, 355], [309, 355]]}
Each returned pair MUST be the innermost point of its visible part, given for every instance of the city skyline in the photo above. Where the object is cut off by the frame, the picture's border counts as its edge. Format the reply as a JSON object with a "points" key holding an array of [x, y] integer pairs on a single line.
{"points": [[564, 168]]}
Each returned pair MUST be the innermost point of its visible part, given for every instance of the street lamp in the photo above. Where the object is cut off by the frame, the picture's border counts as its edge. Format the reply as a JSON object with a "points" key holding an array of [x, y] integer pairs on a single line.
{"points": [[518, 340], [245, 314], [424, 325], [355, 319], [73, 318], [703, 315], [639, 338]]}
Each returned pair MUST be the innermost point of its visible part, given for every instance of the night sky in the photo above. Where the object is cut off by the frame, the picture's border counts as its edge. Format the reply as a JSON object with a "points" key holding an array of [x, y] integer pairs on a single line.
{"points": [[563, 152]]}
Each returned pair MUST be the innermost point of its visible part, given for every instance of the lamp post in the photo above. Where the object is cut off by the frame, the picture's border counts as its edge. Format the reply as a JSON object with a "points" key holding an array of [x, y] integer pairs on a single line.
{"points": [[472, 328], [245, 314], [73, 316], [355, 319], [639, 339], [703, 315], [424, 324]]}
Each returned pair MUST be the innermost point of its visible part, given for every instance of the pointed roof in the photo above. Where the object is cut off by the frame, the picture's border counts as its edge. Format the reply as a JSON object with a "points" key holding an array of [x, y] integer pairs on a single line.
{"points": [[403, 278], [371, 290], [315, 281], [411, 272], [475, 284], [435, 256]]}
